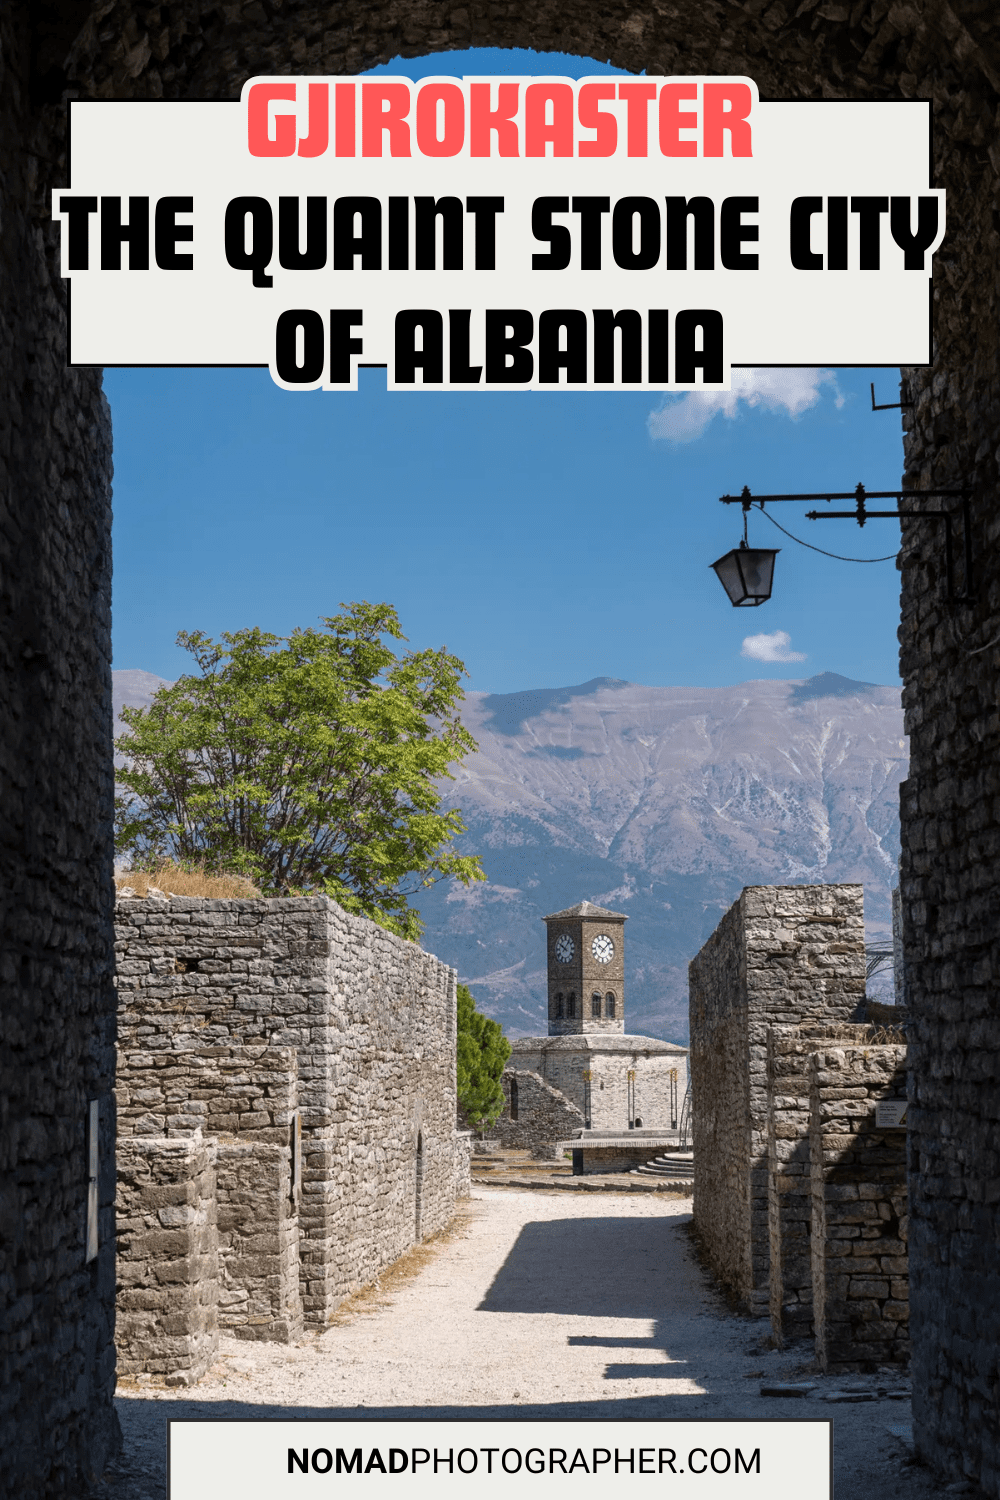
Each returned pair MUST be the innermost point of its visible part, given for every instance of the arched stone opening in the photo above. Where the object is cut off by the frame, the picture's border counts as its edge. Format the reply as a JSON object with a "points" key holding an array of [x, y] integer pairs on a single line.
{"points": [[55, 471]]}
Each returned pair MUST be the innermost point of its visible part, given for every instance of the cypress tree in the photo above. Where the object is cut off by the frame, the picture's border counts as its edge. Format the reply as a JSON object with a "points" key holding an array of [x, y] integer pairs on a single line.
{"points": [[483, 1051]]}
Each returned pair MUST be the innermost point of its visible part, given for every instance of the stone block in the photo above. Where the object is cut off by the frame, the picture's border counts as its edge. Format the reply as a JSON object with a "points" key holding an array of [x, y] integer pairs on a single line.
{"points": [[868, 1286], [166, 1308]]}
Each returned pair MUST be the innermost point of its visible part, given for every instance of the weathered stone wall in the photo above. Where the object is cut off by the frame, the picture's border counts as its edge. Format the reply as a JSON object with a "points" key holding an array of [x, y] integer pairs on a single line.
{"points": [[232, 1015], [781, 956], [168, 1257], [898, 953], [258, 1231], [859, 1220], [720, 1091], [617, 1158], [790, 1187], [544, 1115], [245, 1091], [245, 1099], [463, 1165]]}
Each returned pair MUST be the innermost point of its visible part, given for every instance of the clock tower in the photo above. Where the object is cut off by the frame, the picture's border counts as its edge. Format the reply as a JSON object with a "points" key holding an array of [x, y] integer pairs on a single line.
{"points": [[586, 963]]}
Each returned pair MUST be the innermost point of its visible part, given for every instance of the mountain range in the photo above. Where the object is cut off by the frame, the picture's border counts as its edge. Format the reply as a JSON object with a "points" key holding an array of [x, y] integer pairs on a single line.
{"points": [[661, 802]]}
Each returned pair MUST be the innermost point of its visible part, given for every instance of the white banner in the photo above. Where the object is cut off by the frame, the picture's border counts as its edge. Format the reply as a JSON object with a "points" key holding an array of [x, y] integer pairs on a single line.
{"points": [[772, 1460], [499, 233]]}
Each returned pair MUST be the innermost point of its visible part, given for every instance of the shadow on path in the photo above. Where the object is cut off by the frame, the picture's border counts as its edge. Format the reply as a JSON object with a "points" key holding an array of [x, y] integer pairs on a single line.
{"points": [[619, 1267]]}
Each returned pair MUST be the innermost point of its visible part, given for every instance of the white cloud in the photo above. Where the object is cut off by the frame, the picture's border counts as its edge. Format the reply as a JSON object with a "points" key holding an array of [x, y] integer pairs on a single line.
{"points": [[773, 647], [681, 419]]}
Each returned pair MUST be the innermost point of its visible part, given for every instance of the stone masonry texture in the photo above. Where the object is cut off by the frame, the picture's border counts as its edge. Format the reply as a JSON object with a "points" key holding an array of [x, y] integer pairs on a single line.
{"points": [[789, 1198], [835, 1178], [168, 1259], [790, 1192], [781, 956], [55, 468], [259, 1243], [316, 1052], [859, 1217], [544, 1115], [57, 1362]]}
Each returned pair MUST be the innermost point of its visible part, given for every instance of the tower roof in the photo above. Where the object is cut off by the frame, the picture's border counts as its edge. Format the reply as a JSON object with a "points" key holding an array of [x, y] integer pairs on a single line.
{"points": [[586, 909]]}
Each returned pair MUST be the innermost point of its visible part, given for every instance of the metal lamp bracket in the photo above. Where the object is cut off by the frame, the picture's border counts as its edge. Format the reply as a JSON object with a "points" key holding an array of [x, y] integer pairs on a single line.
{"points": [[891, 405], [862, 514]]}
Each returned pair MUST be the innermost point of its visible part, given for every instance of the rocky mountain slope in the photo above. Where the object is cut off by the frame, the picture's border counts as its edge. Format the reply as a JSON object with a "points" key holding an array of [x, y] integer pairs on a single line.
{"points": [[661, 802]]}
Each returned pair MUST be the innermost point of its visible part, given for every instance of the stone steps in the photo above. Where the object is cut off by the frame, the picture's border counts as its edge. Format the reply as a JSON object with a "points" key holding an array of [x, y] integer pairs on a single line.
{"points": [[666, 1166], [597, 1182]]}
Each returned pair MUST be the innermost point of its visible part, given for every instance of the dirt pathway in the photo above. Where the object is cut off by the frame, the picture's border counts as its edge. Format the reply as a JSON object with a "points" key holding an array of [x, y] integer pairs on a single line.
{"points": [[543, 1304]]}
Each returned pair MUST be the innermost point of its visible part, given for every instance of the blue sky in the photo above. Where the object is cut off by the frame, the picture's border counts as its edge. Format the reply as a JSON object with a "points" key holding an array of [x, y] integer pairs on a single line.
{"points": [[544, 538]]}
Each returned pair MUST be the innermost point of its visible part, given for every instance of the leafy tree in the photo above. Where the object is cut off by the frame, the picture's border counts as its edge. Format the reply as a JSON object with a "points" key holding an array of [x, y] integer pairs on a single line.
{"points": [[307, 763], [483, 1051]]}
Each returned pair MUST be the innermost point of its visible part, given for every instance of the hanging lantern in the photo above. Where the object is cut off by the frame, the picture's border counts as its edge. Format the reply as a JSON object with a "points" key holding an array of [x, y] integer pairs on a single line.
{"points": [[747, 573]]}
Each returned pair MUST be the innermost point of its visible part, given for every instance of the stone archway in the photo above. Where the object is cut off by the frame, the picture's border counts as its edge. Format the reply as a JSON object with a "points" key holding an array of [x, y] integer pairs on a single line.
{"points": [[55, 471]]}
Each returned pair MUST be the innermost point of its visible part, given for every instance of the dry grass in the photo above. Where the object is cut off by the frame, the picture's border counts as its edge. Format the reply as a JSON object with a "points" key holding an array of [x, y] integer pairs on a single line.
{"points": [[862, 1034], [172, 880], [889, 1036], [395, 1276]]}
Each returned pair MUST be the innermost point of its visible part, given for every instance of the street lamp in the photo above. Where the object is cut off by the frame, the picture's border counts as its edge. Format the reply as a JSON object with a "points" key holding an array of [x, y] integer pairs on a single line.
{"points": [[747, 572]]}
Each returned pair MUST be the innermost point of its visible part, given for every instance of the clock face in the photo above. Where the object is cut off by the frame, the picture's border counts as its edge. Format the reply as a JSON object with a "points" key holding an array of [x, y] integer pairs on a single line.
{"points": [[603, 948], [564, 948]]}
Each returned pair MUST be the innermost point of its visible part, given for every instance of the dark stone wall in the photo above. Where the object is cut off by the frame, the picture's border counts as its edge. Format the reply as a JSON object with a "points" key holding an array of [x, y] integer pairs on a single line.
{"points": [[54, 473], [950, 869], [56, 994], [950, 809], [873, 49]]}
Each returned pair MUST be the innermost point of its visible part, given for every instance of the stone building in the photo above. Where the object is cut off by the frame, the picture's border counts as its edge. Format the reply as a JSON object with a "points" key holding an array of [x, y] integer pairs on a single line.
{"points": [[800, 1198], [782, 955], [57, 1318], [286, 1118], [588, 1074]]}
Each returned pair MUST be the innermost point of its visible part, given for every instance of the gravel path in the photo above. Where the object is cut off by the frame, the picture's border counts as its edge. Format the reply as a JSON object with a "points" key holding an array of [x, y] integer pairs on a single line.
{"points": [[540, 1304]]}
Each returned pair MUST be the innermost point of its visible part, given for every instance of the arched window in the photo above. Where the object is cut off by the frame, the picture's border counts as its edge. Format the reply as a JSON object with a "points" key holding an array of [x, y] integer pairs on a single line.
{"points": [[571, 1004], [513, 1098], [559, 1006], [609, 1005], [595, 1005]]}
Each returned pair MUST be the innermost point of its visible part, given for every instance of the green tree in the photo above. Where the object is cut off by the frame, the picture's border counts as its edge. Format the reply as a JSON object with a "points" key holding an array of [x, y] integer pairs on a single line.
{"points": [[483, 1051], [308, 763]]}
